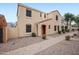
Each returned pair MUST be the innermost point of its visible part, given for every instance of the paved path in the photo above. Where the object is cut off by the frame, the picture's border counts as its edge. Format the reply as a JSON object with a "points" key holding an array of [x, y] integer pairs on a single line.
{"points": [[63, 48], [37, 47]]}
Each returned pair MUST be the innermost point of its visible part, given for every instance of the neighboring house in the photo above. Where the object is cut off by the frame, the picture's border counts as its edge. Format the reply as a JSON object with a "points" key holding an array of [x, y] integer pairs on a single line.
{"points": [[51, 25], [3, 29], [12, 24], [64, 24], [30, 20], [74, 26]]}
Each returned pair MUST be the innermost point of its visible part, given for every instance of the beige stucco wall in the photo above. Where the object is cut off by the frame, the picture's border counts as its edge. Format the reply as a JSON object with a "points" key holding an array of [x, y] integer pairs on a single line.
{"points": [[23, 20], [53, 16], [12, 32], [51, 22], [5, 34]]}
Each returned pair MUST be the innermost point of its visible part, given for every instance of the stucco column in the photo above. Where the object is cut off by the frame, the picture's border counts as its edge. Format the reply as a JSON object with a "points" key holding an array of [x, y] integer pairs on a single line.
{"points": [[5, 38]]}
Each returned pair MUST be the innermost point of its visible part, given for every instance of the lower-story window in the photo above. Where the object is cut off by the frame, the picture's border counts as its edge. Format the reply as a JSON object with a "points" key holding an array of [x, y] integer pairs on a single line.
{"points": [[55, 28], [49, 26], [28, 27]]}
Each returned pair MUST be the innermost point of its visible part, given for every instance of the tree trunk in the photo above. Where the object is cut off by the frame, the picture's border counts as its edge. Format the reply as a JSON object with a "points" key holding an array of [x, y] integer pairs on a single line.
{"points": [[67, 24], [78, 30], [70, 24]]}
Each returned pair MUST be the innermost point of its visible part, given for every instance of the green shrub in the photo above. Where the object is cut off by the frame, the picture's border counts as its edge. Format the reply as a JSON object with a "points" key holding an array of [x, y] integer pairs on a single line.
{"points": [[78, 29], [72, 36], [63, 30], [43, 37], [33, 35], [73, 30], [67, 37], [59, 32], [67, 30]]}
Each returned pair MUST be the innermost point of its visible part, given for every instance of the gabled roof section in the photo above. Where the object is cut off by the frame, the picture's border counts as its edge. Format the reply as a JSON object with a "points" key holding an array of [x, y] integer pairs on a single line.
{"points": [[19, 4], [3, 22], [55, 11]]}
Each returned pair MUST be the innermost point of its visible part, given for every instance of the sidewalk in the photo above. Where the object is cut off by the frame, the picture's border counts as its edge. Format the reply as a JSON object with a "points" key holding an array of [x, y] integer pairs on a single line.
{"points": [[37, 47]]}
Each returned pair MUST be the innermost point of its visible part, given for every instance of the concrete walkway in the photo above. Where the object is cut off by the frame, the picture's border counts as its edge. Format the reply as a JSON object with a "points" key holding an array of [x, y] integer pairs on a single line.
{"points": [[37, 47]]}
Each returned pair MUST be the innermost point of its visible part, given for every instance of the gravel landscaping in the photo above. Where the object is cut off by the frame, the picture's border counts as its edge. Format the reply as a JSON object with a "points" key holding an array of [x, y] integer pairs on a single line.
{"points": [[63, 48], [22, 45], [18, 43]]}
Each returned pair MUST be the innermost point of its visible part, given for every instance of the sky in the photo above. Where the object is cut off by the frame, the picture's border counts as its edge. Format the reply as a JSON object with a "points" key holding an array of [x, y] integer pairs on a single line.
{"points": [[10, 9]]}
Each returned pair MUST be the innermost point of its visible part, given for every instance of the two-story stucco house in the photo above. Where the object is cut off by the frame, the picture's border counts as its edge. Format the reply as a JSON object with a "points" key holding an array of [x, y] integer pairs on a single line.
{"points": [[30, 20]]}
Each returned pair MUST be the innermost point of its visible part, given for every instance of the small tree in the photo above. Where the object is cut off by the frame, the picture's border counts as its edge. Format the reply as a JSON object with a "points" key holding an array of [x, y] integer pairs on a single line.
{"points": [[69, 17], [77, 21]]}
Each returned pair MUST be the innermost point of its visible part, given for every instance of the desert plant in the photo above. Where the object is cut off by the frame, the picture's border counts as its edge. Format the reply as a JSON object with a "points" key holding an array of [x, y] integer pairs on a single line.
{"points": [[59, 32], [66, 27], [44, 36], [77, 29], [33, 35], [63, 30], [67, 37], [67, 30], [74, 34], [72, 29]]}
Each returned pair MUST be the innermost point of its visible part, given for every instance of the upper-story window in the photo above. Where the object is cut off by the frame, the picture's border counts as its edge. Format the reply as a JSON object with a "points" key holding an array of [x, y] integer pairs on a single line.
{"points": [[44, 15], [28, 13], [56, 17]]}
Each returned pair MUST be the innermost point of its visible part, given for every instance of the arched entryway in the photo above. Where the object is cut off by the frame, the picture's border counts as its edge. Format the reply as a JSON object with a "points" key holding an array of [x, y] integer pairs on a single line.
{"points": [[3, 29]]}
